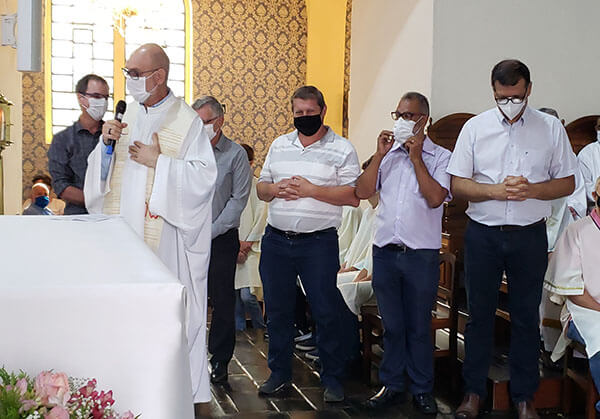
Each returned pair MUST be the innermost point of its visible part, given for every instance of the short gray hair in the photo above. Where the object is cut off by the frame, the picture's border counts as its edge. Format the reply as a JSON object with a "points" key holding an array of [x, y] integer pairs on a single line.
{"points": [[214, 104], [423, 102]]}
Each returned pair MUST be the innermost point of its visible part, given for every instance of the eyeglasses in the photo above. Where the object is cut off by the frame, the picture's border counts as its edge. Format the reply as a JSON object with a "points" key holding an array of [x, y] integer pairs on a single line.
{"points": [[514, 99], [209, 120], [407, 116], [96, 95], [134, 74]]}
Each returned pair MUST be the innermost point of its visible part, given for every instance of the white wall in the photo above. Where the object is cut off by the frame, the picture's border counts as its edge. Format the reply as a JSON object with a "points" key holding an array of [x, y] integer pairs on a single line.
{"points": [[10, 86], [391, 53], [556, 39]]}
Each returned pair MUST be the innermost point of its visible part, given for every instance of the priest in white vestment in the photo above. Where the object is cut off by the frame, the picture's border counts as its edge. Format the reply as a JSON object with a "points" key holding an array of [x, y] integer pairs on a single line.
{"points": [[574, 275], [248, 286], [354, 280], [589, 163], [348, 228], [161, 179]]}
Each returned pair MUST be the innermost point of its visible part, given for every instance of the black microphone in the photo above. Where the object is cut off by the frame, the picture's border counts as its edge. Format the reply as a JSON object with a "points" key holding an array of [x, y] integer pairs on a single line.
{"points": [[119, 112]]}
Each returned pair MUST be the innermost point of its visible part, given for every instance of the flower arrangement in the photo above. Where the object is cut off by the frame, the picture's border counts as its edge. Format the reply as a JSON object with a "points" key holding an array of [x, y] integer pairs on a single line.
{"points": [[53, 395]]}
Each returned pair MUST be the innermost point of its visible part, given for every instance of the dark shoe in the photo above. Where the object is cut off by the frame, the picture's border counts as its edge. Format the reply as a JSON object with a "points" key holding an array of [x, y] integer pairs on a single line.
{"points": [[333, 393], [218, 374], [525, 410], [273, 386], [385, 397], [425, 403], [469, 408]]}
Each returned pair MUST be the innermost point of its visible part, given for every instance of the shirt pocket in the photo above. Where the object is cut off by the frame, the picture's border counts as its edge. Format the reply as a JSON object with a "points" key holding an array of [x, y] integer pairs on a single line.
{"points": [[535, 164]]}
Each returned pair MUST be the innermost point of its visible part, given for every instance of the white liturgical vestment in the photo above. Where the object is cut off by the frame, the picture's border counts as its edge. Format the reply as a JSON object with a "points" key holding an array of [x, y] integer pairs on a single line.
{"points": [[252, 227], [170, 206], [572, 269]]}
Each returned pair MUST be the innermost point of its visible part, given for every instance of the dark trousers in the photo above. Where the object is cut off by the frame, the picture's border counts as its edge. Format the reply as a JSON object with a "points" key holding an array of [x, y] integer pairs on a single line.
{"points": [[405, 284], [522, 254], [315, 258], [221, 275]]}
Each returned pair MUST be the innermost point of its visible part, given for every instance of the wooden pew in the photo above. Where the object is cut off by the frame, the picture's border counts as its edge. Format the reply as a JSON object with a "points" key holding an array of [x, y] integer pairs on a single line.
{"points": [[582, 132], [444, 132]]}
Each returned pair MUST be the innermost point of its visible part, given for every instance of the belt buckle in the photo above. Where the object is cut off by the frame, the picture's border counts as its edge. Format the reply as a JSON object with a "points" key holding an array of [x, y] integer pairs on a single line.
{"points": [[291, 234]]}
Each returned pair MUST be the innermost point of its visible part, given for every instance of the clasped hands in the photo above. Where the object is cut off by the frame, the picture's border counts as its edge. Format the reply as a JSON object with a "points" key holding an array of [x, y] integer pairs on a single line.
{"points": [[515, 188], [293, 188]]}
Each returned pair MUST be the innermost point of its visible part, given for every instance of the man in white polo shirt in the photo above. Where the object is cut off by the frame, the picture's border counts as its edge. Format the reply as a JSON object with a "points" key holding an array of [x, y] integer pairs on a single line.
{"points": [[307, 177], [509, 163]]}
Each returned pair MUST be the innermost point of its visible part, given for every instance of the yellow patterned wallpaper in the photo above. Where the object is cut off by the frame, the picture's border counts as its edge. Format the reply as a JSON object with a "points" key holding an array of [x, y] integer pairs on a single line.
{"points": [[250, 54]]}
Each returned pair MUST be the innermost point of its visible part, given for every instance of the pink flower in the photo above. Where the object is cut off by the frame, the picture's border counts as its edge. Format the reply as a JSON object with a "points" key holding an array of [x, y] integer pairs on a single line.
{"points": [[21, 386], [52, 388], [128, 415], [27, 405], [57, 412]]}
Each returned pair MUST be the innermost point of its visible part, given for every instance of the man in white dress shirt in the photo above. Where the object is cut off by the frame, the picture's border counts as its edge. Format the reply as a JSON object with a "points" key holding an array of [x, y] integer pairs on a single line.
{"points": [[161, 179], [509, 163]]}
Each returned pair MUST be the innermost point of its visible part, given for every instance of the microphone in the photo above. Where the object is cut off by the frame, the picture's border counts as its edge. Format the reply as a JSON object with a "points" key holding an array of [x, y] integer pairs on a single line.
{"points": [[119, 112]]}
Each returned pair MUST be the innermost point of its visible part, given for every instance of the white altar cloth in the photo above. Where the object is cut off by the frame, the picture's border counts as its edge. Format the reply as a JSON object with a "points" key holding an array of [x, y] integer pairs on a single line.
{"points": [[84, 295]]}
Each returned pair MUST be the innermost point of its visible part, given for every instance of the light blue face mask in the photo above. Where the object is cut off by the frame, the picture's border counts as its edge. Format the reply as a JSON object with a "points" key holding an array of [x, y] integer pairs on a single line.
{"points": [[42, 201], [598, 135]]}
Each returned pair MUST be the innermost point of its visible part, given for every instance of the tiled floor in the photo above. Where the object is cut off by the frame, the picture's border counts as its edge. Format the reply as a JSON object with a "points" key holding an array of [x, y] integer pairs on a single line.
{"points": [[248, 369]]}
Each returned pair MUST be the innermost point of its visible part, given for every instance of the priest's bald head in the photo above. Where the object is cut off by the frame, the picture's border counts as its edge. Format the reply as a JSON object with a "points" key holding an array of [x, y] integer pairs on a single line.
{"points": [[147, 72]]}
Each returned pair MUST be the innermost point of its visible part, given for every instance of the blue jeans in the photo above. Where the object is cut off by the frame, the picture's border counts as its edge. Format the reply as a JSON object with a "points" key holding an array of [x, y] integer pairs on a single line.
{"points": [[522, 254], [245, 301], [405, 284], [315, 258], [573, 333]]}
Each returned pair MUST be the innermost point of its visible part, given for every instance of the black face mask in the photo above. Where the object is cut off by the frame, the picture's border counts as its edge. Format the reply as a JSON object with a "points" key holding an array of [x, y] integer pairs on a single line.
{"points": [[308, 125], [598, 201]]}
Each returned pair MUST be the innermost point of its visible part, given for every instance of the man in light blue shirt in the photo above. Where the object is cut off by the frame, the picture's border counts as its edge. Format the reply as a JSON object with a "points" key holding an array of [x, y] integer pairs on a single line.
{"points": [[409, 171]]}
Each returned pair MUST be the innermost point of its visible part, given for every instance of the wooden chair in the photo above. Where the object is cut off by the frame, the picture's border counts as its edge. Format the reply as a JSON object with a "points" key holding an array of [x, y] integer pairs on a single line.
{"points": [[444, 132], [584, 382], [444, 316], [582, 132]]}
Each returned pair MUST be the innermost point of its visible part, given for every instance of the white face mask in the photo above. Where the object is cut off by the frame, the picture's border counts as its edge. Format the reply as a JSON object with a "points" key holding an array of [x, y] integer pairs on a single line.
{"points": [[137, 89], [598, 135], [403, 130], [210, 131], [511, 110], [96, 108]]}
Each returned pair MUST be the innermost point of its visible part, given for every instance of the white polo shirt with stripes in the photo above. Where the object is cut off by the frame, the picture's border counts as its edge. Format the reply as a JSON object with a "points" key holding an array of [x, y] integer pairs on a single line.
{"points": [[331, 161]]}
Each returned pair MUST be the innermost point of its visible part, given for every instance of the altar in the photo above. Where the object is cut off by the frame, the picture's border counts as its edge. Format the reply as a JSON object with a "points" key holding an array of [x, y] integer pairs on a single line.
{"points": [[84, 295]]}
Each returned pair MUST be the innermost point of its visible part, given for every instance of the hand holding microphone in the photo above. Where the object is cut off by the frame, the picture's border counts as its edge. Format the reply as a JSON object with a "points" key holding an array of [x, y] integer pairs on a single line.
{"points": [[112, 130]]}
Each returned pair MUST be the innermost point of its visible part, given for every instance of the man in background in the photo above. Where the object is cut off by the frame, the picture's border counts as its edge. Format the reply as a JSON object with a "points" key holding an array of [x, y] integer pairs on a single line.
{"points": [[70, 148]]}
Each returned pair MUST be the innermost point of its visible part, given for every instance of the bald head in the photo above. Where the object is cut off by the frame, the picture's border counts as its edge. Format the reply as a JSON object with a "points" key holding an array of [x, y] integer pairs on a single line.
{"points": [[149, 57]]}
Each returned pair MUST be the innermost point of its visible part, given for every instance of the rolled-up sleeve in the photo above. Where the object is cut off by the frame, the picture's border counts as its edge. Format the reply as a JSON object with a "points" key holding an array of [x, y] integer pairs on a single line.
{"points": [[440, 172], [461, 161], [564, 161], [58, 164]]}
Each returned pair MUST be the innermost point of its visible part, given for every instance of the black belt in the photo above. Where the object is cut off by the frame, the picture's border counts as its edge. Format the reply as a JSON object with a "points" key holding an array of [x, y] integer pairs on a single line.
{"points": [[511, 227], [398, 247], [297, 235]]}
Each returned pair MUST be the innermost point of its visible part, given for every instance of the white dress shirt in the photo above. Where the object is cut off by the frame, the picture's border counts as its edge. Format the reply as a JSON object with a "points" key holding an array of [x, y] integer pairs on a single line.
{"points": [[589, 163], [489, 149]]}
